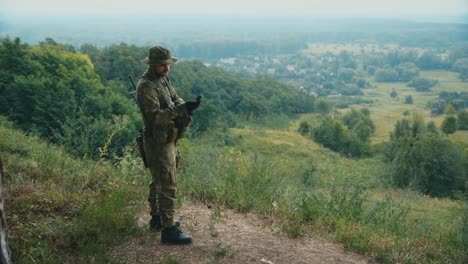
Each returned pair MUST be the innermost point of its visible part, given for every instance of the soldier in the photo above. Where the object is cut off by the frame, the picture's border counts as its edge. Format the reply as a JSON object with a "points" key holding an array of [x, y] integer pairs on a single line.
{"points": [[166, 117]]}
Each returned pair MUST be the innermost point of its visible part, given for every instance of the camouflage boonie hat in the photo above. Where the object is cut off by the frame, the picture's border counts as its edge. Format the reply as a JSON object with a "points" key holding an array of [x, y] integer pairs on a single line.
{"points": [[159, 55]]}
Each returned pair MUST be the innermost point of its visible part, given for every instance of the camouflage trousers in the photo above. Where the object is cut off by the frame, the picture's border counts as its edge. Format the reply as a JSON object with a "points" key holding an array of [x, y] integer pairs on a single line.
{"points": [[161, 160]]}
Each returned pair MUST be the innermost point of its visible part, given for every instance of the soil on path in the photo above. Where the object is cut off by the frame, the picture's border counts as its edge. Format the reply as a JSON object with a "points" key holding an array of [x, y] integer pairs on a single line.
{"points": [[223, 236]]}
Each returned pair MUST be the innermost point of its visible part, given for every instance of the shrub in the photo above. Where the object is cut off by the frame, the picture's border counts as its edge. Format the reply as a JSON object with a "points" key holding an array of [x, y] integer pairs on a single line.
{"points": [[304, 128], [422, 84], [352, 203], [421, 159], [323, 106], [449, 125], [407, 71], [461, 66], [386, 75], [349, 136], [463, 120], [409, 99], [458, 101]]}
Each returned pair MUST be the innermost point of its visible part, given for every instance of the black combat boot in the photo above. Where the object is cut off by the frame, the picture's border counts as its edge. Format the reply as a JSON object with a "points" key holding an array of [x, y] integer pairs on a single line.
{"points": [[173, 235], [155, 223]]}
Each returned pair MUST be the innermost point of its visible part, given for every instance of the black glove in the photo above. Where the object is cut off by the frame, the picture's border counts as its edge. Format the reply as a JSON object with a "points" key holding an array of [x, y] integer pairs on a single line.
{"points": [[192, 105]]}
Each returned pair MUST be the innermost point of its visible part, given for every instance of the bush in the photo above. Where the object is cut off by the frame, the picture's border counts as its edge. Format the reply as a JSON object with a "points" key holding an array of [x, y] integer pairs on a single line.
{"points": [[304, 128], [352, 203], [449, 125], [371, 70], [463, 120], [421, 159], [80, 108], [323, 106], [386, 75], [429, 60], [349, 136], [409, 99], [346, 74], [422, 84], [458, 100], [461, 66], [407, 71]]}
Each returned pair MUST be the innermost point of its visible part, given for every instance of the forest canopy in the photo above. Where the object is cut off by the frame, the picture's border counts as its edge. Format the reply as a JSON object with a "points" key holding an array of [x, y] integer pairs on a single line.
{"points": [[81, 100]]}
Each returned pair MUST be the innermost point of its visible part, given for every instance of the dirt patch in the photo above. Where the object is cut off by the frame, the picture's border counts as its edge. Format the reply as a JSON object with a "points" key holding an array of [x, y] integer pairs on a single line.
{"points": [[223, 236]]}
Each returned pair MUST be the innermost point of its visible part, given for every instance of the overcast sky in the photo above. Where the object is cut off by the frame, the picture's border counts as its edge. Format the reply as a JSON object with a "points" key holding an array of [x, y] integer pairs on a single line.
{"points": [[242, 7]]}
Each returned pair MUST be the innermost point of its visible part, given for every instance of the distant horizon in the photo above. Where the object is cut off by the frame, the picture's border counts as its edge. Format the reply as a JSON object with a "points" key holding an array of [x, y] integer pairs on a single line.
{"points": [[143, 28], [243, 7], [459, 17]]}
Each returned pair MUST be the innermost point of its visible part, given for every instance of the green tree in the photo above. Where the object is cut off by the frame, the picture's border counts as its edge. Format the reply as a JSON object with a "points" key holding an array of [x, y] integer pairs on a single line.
{"points": [[348, 136], [362, 131], [462, 117], [461, 66], [449, 125], [116, 62], [409, 99], [13, 61], [407, 71], [420, 158], [332, 133], [323, 106], [371, 70], [398, 57], [432, 128], [353, 117], [456, 53], [429, 60], [449, 110], [422, 84], [386, 74], [393, 94], [92, 51], [346, 74], [346, 60], [304, 128], [56, 88], [458, 101]]}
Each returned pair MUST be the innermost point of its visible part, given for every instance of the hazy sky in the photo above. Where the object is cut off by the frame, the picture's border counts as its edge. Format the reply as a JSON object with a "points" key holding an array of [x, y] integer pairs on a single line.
{"points": [[243, 7]]}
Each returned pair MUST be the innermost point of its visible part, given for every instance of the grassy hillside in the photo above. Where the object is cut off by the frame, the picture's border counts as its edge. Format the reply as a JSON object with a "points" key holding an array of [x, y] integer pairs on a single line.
{"points": [[311, 190], [61, 209]]}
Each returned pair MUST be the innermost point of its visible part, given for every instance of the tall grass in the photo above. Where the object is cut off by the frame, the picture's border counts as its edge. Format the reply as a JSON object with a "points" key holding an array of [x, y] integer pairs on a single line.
{"points": [[61, 209], [230, 178]]}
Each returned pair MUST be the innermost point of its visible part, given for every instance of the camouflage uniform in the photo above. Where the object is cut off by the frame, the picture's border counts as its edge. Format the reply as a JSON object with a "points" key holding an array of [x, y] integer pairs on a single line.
{"points": [[166, 119]]}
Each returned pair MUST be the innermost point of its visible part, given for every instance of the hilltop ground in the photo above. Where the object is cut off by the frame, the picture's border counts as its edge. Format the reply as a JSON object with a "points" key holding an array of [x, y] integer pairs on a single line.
{"points": [[224, 236]]}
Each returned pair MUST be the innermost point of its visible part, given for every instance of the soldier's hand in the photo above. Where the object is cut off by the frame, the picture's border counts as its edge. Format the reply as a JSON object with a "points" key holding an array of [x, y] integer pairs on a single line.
{"points": [[192, 105]]}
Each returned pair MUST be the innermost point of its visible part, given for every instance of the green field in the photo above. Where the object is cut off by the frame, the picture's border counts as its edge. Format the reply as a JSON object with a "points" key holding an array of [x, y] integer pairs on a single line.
{"points": [[386, 111]]}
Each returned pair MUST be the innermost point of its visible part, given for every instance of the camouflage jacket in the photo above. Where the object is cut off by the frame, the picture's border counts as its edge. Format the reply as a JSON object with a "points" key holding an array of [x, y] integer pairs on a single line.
{"points": [[164, 113]]}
